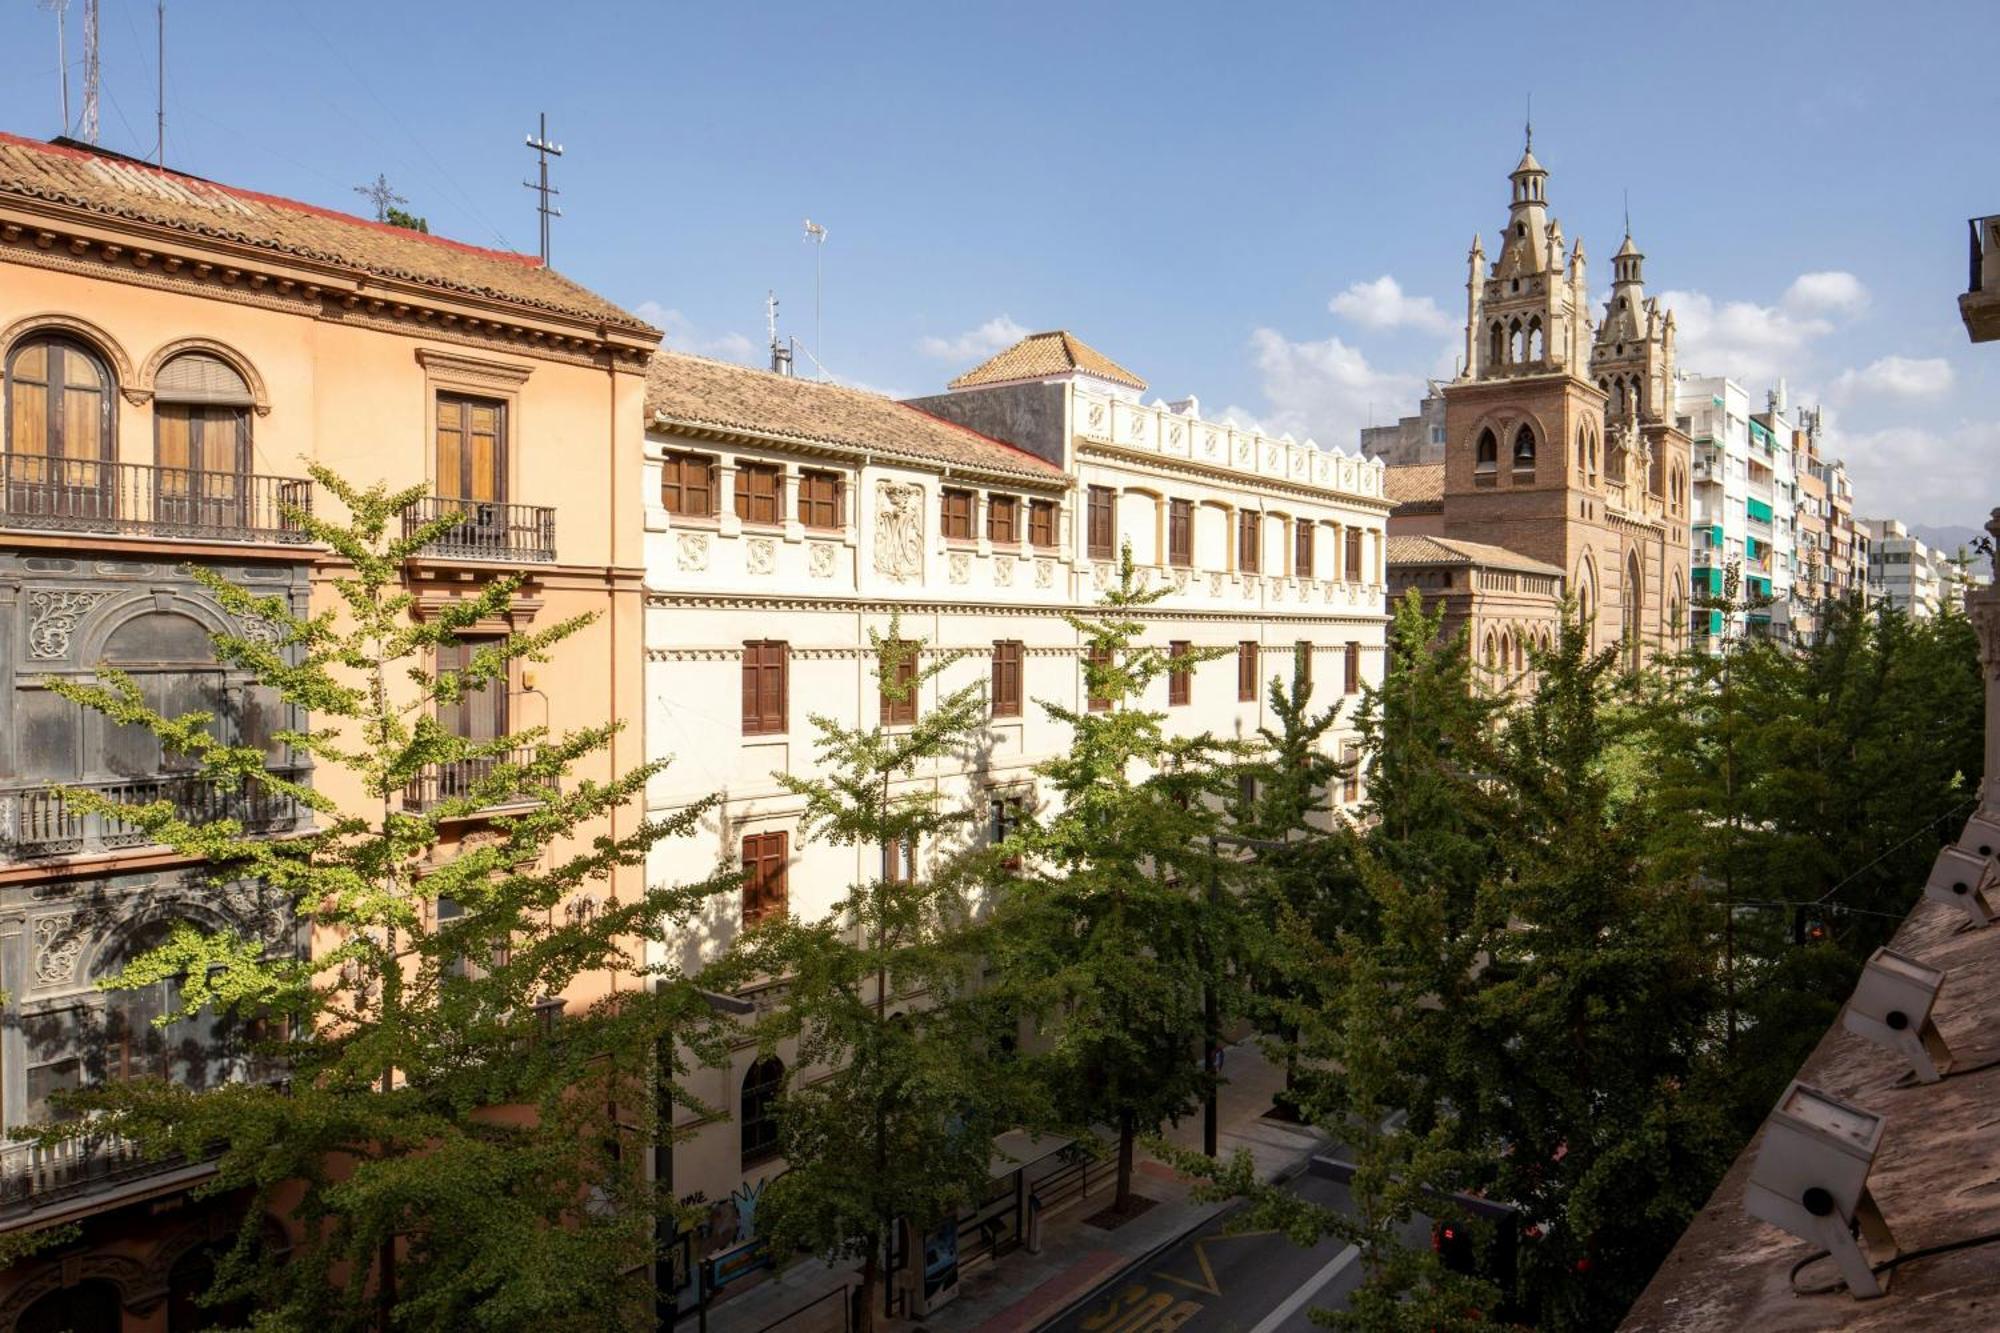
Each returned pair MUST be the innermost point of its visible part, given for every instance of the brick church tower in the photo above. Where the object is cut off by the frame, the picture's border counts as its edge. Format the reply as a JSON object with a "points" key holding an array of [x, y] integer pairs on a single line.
{"points": [[1560, 436]]}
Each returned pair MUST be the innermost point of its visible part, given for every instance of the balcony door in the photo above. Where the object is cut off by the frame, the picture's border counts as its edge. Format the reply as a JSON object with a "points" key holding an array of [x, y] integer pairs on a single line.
{"points": [[201, 444], [59, 436], [471, 445], [479, 716]]}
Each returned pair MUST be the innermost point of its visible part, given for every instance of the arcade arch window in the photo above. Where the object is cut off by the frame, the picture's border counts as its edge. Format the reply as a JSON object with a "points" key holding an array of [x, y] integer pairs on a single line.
{"points": [[763, 1082], [1524, 450], [1486, 454], [59, 405]]}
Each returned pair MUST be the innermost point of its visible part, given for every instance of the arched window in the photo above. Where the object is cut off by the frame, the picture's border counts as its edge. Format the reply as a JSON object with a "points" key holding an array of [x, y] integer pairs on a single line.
{"points": [[1535, 347], [763, 1083], [1636, 395], [1614, 465], [59, 404], [205, 1050], [201, 440], [91, 1306], [1517, 341], [1586, 593], [1590, 471], [1524, 448], [1492, 651], [172, 660], [1676, 488], [1496, 345], [1486, 456], [1635, 599]]}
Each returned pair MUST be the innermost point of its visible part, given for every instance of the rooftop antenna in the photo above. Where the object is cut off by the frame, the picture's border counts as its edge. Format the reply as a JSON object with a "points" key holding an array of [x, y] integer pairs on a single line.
{"points": [[817, 234], [60, 8], [1531, 122], [781, 354], [160, 116], [1628, 212], [89, 126], [382, 195], [544, 150]]}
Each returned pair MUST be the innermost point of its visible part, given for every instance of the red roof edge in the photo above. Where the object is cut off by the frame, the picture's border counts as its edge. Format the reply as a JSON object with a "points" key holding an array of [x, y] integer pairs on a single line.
{"points": [[275, 200]]}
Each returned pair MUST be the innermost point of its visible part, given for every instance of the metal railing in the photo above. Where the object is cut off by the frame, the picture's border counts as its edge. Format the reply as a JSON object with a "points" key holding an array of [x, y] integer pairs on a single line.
{"points": [[84, 495], [459, 778], [35, 1174], [486, 530], [46, 821]]}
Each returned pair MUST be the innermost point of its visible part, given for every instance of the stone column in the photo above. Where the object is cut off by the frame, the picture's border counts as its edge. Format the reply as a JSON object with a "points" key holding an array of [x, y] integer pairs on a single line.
{"points": [[1984, 610]]}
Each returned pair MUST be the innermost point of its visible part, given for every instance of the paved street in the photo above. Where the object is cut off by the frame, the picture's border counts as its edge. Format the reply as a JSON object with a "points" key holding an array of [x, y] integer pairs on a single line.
{"points": [[1212, 1281]]}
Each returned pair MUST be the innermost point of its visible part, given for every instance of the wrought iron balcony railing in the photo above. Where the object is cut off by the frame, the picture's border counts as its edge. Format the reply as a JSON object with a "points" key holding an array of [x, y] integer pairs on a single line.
{"points": [[39, 493], [459, 779], [486, 530], [47, 821], [35, 1176]]}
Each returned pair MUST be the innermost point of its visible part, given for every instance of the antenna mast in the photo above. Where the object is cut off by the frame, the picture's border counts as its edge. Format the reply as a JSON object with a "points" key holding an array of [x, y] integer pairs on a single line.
{"points": [[381, 194], [160, 118], [781, 355], [544, 150], [60, 8], [817, 234], [89, 127]]}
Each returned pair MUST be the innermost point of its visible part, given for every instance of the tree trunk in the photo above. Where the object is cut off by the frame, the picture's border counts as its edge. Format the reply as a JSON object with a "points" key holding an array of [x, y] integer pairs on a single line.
{"points": [[1122, 1201], [871, 1278]]}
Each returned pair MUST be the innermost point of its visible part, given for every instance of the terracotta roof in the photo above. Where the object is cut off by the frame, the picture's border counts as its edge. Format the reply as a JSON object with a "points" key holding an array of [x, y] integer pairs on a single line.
{"points": [[1416, 483], [697, 393], [1933, 1176], [1045, 356], [116, 186], [1410, 550]]}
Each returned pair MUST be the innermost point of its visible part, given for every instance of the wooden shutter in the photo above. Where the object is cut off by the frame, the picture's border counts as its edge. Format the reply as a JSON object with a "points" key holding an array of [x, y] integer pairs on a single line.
{"points": [[1354, 555], [955, 521], [1302, 549], [1246, 671], [1007, 654], [1042, 523], [1302, 662], [1352, 664], [1249, 527], [766, 666], [1099, 658], [757, 487], [687, 485], [480, 715], [900, 712], [1103, 537], [765, 857], [1003, 519], [1180, 532], [1180, 672], [820, 499]]}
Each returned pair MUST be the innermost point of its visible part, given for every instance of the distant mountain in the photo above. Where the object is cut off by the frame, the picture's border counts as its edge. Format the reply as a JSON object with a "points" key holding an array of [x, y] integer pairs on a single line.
{"points": [[1944, 537]]}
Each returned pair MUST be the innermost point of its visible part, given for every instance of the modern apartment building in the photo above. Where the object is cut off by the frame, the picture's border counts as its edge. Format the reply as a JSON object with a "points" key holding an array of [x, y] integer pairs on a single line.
{"points": [[173, 352], [1745, 509], [1904, 571], [786, 520]]}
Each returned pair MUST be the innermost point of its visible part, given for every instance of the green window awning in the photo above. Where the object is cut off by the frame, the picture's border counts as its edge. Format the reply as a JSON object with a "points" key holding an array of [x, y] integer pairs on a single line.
{"points": [[1757, 510]]}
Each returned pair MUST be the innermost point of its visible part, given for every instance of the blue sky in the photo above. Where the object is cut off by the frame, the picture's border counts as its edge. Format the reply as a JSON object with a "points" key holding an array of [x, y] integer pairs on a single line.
{"points": [[1213, 195]]}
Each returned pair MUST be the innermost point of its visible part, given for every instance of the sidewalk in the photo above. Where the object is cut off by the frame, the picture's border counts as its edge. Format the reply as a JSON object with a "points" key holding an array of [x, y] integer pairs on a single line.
{"points": [[1021, 1291]]}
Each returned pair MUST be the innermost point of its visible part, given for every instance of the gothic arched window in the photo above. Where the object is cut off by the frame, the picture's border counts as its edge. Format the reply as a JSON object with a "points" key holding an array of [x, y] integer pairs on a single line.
{"points": [[1533, 341], [1524, 448], [1486, 456], [762, 1084], [1496, 349]]}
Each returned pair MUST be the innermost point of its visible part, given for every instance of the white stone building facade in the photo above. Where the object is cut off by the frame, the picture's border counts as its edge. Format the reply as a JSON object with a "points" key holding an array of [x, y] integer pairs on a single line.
{"points": [[855, 509]]}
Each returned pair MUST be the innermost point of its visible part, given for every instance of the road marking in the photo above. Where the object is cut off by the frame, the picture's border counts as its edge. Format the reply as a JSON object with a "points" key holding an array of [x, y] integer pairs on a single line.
{"points": [[1305, 1293], [1201, 1257]]}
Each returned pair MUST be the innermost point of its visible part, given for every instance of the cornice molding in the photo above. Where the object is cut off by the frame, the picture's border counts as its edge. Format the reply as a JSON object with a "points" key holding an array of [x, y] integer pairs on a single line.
{"points": [[657, 600], [1114, 453], [860, 455]]}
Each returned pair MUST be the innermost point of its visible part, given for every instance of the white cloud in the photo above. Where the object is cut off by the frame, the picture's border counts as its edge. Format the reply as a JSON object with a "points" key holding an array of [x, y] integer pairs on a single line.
{"points": [[683, 336], [1754, 343], [1382, 304], [1897, 377], [1327, 390], [996, 334], [1918, 474], [1832, 293]]}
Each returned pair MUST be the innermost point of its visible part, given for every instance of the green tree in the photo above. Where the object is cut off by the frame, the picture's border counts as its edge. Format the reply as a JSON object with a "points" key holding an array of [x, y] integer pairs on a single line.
{"points": [[1106, 935], [419, 1203], [881, 994]]}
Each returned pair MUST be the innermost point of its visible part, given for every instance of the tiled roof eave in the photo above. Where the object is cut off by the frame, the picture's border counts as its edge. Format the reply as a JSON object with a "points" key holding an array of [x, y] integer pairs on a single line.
{"points": [[1051, 479], [48, 209]]}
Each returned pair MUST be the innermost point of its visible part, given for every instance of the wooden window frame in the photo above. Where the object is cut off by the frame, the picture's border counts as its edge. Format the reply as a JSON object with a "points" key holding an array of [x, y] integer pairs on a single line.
{"points": [[767, 672], [1354, 556], [1302, 548], [1095, 656], [1180, 533], [898, 712], [53, 417], [677, 493], [822, 500], [1042, 523], [758, 1138], [1246, 671], [1005, 812], [1249, 541], [747, 499], [1009, 530], [1101, 536], [1302, 662], [899, 861], [1005, 693], [766, 892], [1350, 781], [1180, 679], [458, 657], [956, 508], [1351, 668]]}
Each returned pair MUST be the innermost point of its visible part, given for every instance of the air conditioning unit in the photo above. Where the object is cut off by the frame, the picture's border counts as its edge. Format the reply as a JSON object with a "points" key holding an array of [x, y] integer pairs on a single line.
{"points": [[1891, 1007], [1811, 1179]]}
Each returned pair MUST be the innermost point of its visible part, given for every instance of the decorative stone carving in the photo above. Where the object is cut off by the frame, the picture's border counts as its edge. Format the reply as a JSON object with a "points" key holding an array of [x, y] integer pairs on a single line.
{"points": [[1215, 585], [1097, 414], [259, 630], [1101, 574], [761, 555], [1174, 433], [899, 532], [960, 566], [1208, 444], [53, 616], [1003, 570], [693, 553], [820, 561], [58, 946], [1180, 580], [1045, 573]]}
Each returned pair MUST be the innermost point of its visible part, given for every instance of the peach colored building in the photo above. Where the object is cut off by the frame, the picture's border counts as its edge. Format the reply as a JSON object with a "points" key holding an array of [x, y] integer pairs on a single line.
{"points": [[172, 352]]}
